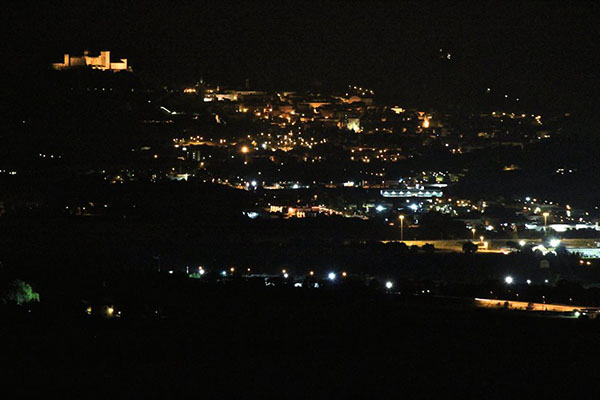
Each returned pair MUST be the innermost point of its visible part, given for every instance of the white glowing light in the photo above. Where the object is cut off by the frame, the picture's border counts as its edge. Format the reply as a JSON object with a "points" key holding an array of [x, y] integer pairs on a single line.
{"points": [[389, 285], [331, 276], [554, 242], [509, 279]]}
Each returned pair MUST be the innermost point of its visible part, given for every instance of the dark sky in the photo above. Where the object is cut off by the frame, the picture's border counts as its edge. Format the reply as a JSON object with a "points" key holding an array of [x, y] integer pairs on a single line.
{"points": [[541, 51]]}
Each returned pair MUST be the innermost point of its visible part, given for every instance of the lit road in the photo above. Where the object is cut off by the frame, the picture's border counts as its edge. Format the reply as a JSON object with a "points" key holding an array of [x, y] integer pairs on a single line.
{"points": [[494, 245], [527, 306]]}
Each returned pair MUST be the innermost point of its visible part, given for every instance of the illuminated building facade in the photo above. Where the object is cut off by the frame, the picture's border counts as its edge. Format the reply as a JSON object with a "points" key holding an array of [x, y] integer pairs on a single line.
{"points": [[101, 62]]}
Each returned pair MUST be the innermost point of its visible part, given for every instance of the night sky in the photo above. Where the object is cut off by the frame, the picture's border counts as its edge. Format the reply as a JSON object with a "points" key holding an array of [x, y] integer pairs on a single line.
{"points": [[544, 53]]}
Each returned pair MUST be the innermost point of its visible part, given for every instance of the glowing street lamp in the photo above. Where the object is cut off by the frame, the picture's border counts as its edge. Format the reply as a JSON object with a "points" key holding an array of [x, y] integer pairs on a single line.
{"points": [[546, 214], [473, 230], [509, 280], [389, 285]]}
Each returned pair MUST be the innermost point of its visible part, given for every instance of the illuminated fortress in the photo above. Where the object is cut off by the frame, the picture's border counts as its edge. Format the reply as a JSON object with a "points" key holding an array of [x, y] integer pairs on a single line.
{"points": [[101, 62]]}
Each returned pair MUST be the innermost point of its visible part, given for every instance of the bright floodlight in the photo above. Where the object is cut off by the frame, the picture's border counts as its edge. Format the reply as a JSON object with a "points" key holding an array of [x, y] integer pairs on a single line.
{"points": [[379, 208], [522, 243], [508, 279], [331, 276], [529, 281], [554, 242], [389, 285], [285, 275], [253, 183]]}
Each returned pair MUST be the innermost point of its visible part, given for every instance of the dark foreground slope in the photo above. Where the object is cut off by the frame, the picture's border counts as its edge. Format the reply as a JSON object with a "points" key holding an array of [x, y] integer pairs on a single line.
{"points": [[330, 345]]}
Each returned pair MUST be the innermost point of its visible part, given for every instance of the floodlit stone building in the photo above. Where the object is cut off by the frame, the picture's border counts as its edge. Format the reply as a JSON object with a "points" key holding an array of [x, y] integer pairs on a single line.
{"points": [[101, 62]]}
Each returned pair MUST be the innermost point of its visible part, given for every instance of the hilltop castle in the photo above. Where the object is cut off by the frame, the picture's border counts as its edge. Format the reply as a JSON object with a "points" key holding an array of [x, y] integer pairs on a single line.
{"points": [[101, 62]]}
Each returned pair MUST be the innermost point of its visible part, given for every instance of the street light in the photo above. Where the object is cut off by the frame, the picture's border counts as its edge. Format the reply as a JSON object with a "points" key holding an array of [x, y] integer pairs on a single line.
{"points": [[546, 214], [402, 228], [473, 232]]}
